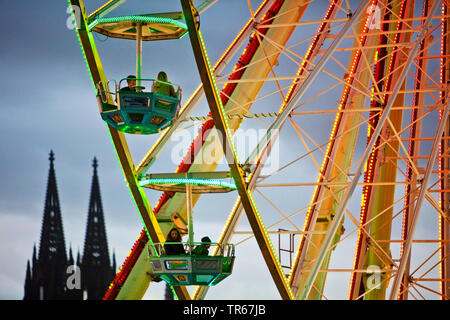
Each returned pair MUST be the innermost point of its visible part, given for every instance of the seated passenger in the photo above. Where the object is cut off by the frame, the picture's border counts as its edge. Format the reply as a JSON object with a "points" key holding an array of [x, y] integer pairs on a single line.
{"points": [[174, 249], [163, 86], [202, 249], [133, 101], [131, 81]]}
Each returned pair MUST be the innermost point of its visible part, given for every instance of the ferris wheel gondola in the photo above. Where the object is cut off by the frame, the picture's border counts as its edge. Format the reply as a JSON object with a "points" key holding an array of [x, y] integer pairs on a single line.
{"points": [[190, 268], [138, 112]]}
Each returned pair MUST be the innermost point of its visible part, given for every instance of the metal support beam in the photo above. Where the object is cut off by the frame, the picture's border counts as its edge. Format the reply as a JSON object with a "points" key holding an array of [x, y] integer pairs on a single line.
{"points": [[139, 53], [236, 214], [220, 121], [118, 138], [105, 9], [189, 213], [411, 190], [205, 5], [304, 291]]}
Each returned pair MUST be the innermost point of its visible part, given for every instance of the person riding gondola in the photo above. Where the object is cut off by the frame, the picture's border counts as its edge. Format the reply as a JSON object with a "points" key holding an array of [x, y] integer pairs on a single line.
{"points": [[131, 81], [163, 86], [203, 248], [173, 245]]}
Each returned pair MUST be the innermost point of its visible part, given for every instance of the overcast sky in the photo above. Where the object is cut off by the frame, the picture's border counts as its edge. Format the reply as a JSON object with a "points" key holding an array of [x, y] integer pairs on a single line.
{"points": [[48, 103]]}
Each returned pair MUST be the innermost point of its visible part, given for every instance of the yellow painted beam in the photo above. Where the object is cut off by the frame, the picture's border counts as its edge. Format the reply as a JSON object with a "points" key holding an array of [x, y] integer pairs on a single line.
{"points": [[336, 167], [386, 171], [118, 138]]}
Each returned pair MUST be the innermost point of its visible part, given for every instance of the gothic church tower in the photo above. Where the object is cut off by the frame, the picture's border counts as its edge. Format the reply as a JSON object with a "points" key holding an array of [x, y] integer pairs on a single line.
{"points": [[96, 268], [48, 273], [46, 278]]}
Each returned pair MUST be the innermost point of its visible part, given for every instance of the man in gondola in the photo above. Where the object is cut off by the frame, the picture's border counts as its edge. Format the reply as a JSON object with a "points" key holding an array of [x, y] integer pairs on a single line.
{"points": [[131, 81], [202, 249]]}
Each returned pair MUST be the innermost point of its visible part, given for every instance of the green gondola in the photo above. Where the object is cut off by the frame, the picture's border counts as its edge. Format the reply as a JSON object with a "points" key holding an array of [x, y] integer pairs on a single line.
{"points": [[139, 112], [189, 268], [186, 270]]}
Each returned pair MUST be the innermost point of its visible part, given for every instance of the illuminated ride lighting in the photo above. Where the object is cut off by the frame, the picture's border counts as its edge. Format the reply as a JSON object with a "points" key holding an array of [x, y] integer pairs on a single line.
{"points": [[442, 75], [412, 135], [342, 104], [125, 27], [370, 164], [204, 182], [136, 18], [368, 174], [126, 267], [288, 98]]}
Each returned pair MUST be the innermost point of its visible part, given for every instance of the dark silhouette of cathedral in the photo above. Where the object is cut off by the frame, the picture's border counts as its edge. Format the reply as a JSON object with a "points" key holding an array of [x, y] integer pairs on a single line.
{"points": [[54, 275]]}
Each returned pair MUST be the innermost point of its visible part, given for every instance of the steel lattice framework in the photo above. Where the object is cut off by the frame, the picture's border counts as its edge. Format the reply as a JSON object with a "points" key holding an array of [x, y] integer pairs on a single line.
{"points": [[353, 99]]}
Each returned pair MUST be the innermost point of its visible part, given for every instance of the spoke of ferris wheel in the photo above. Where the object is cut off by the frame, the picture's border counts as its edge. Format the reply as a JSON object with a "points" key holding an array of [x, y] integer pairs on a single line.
{"points": [[105, 9], [205, 5], [303, 293], [381, 253], [414, 281], [319, 147], [280, 120], [286, 50]]}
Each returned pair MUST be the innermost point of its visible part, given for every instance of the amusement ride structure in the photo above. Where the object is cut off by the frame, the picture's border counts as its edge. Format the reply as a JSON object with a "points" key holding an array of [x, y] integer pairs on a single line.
{"points": [[353, 100]]}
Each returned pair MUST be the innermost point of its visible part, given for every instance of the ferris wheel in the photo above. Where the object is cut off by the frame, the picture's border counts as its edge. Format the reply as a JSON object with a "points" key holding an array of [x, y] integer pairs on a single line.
{"points": [[351, 99]]}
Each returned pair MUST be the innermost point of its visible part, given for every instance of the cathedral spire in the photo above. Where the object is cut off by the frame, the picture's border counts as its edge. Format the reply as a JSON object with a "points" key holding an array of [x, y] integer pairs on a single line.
{"points": [[52, 234], [71, 260], [28, 281], [34, 260], [51, 158], [48, 273], [96, 267], [52, 273]]}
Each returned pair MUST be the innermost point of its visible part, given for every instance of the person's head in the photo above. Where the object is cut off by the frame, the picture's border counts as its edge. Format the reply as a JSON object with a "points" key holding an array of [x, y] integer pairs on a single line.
{"points": [[174, 235], [162, 76], [206, 241], [131, 80]]}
